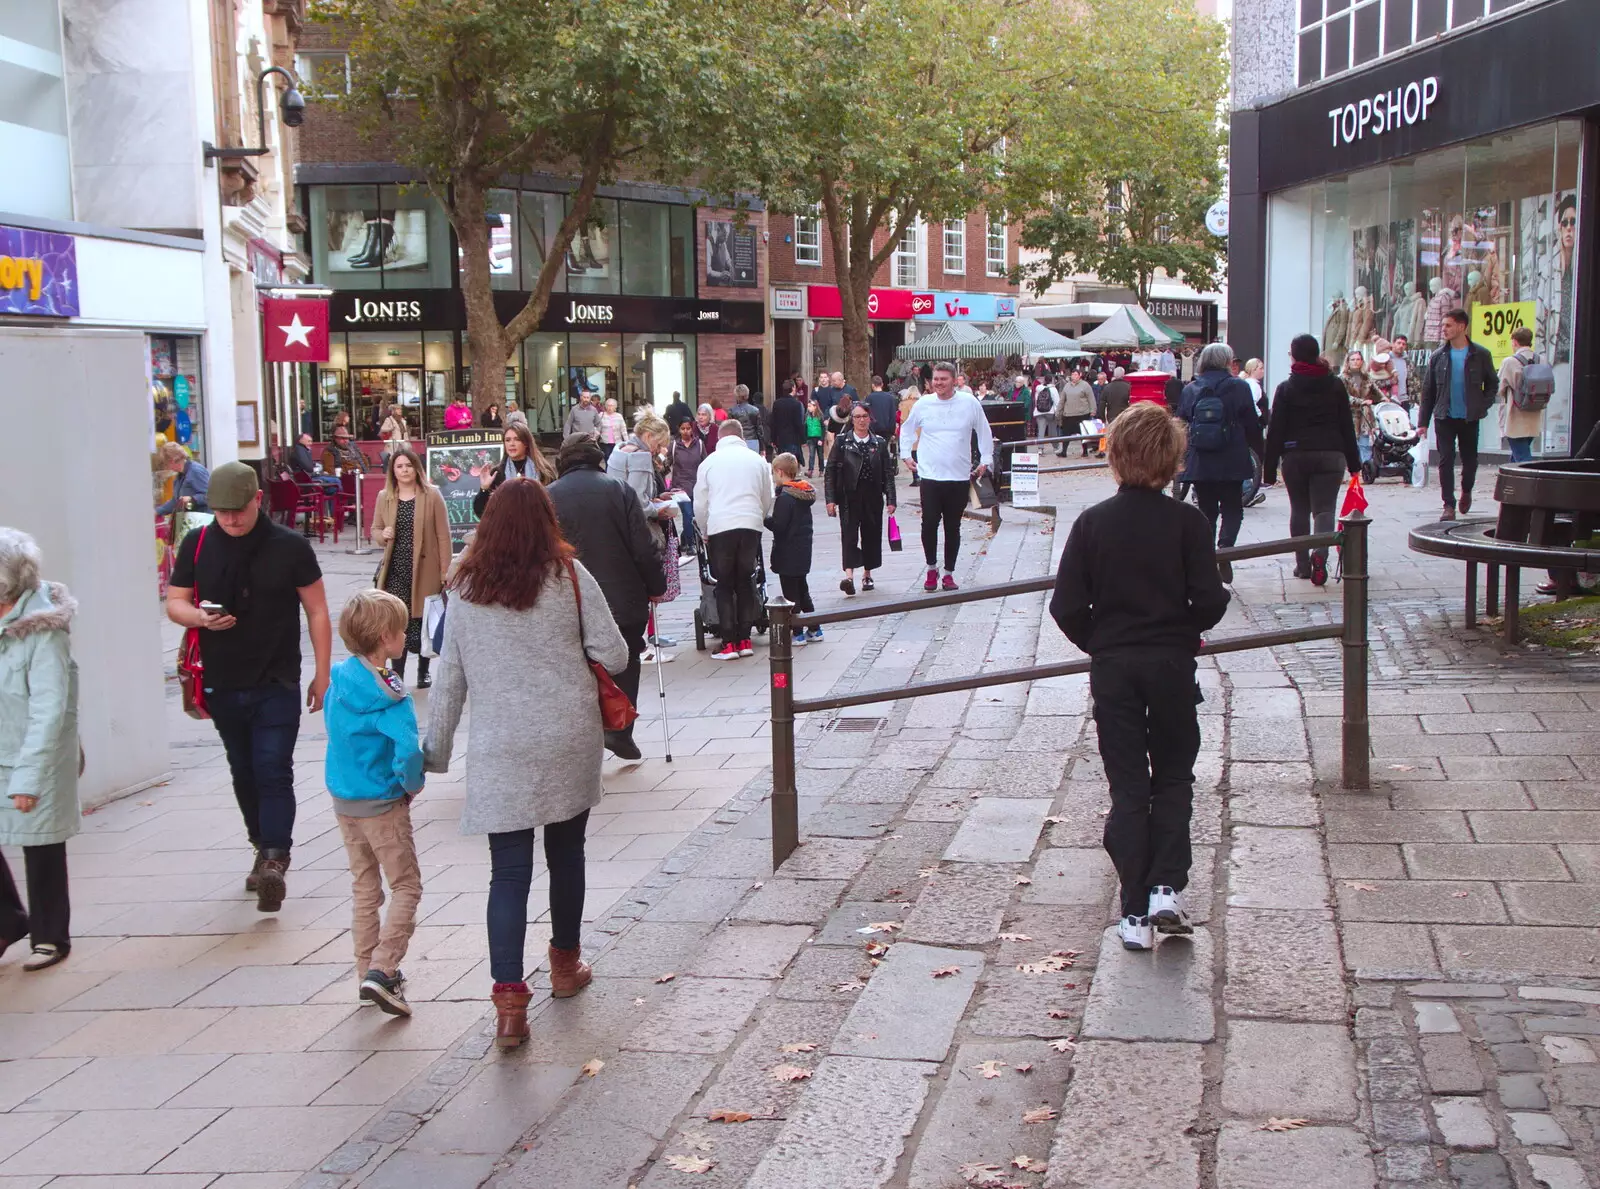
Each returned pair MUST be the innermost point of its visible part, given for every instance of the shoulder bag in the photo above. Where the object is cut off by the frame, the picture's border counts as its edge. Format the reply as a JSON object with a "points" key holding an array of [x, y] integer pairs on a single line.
{"points": [[616, 712], [191, 669]]}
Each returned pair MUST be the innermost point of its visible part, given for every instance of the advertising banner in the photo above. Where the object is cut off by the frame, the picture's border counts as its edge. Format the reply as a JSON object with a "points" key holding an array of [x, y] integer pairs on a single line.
{"points": [[38, 273], [457, 461]]}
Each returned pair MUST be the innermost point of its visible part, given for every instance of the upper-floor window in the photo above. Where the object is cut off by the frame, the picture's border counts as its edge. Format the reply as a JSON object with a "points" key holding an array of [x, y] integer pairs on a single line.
{"points": [[1340, 35], [995, 250], [808, 238], [955, 247], [904, 260], [323, 72], [33, 113], [1114, 212]]}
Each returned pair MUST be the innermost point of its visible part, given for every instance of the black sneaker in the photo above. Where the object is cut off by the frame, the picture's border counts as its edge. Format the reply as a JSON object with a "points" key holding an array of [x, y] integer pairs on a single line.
{"points": [[387, 991]]}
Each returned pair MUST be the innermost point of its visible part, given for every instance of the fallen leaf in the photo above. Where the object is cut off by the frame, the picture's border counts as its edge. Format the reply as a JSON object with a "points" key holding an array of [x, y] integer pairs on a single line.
{"points": [[1015, 937], [876, 949], [882, 927], [1055, 1013], [893, 892], [727, 1116], [667, 977], [1063, 1044], [1064, 953], [946, 971], [1402, 767], [690, 1163], [990, 1068], [927, 872], [1275, 1124], [638, 1003], [1053, 964], [981, 1176], [1054, 820], [1459, 895], [696, 1140], [854, 984], [1039, 1114], [1025, 1067], [791, 1073], [799, 1046], [1360, 887], [1023, 879], [593, 1066], [866, 1036], [1028, 1164]]}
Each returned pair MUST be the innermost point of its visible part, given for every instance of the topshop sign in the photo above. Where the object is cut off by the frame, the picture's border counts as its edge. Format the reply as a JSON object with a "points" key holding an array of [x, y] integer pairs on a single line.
{"points": [[1401, 107]]}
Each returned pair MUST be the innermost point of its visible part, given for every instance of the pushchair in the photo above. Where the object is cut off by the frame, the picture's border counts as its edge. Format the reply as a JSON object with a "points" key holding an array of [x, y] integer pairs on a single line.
{"points": [[1397, 446], [705, 615]]}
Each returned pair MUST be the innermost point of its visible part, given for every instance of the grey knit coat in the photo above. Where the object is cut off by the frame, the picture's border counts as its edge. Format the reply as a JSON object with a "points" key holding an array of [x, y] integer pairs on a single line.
{"points": [[534, 743]]}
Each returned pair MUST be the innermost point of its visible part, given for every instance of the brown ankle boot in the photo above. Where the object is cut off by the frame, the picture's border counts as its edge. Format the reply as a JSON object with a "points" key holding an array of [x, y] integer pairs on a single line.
{"points": [[271, 887], [569, 974], [510, 1013], [255, 874]]}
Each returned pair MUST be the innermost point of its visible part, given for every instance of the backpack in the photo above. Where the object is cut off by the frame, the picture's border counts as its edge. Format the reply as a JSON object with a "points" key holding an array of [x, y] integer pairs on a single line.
{"points": [[1044, 404], [1537, 387], [1209, 430]]}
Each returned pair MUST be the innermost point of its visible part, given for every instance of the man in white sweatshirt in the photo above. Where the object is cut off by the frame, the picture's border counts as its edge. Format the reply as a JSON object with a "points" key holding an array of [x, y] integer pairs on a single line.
{"points": [[943, 426], [733, 497]]}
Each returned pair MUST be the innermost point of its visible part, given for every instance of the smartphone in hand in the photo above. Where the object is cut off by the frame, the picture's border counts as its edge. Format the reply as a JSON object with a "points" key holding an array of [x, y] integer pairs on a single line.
{"points": [[211, 608]]}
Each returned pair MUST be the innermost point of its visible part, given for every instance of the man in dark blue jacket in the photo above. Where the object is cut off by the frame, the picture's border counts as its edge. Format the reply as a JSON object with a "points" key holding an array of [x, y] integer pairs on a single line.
{"points": [[1224, 428]]}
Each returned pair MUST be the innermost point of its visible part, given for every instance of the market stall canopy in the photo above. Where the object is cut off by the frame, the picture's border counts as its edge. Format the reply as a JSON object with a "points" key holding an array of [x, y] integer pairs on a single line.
{"points": [[1128, 329], [1020, 336], [939, 343]]}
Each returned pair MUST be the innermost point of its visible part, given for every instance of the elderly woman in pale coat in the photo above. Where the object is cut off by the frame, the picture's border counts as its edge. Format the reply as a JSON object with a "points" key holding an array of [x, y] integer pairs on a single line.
{"points": [[525, 620], [38, 750]]}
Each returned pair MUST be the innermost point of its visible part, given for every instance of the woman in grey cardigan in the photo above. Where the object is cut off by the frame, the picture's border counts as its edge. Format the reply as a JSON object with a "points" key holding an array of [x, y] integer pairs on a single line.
{"points": [[518, 641]]}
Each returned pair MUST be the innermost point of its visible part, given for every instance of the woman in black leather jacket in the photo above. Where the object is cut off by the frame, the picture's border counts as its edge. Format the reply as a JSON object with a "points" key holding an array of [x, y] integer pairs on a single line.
{"points": [[858, 483]]}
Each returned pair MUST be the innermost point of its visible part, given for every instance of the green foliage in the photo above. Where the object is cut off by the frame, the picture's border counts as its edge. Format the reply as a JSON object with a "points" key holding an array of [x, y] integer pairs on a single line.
{"points": [[1143, 122]]}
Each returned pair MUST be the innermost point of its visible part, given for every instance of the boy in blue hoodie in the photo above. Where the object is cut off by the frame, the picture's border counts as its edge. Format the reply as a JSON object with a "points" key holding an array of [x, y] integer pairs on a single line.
{"points": [[373, 769]]}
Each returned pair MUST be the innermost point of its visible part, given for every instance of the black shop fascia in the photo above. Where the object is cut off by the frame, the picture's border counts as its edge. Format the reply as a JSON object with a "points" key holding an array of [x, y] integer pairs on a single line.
{"points": [[444, 309]]}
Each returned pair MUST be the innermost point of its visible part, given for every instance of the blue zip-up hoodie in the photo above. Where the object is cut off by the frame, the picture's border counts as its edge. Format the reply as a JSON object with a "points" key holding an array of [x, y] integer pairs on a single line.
{"points": [[373, 751]]}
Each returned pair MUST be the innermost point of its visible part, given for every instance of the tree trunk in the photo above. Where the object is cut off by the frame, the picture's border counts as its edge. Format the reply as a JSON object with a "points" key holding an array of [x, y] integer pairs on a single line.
{"points": [[489, 344]]}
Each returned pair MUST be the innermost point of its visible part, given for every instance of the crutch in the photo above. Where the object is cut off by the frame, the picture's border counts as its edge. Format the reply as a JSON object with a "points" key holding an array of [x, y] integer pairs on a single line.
{"points": [[661, 686]]}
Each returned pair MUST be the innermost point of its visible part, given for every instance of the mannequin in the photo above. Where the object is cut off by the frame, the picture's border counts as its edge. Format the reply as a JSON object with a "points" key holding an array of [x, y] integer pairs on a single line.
{"points": [[1410, 315], [1336, 330], [1440, 304], [1363, 320], [1479, 291]]}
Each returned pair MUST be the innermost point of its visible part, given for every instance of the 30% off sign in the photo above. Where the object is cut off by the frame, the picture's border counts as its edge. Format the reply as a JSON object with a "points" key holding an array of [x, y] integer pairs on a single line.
{"points": [[1492, 326]]}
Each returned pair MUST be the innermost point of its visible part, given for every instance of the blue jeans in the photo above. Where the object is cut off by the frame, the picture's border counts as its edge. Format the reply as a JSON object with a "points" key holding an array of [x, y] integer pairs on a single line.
{"points": [[1521, 449], [511, 878], [1364, 446], [813, 455], [258, 728], [689, 534]]}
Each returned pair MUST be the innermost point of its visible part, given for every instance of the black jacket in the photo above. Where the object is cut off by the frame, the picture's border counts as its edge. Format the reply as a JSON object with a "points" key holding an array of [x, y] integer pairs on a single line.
{"points": [[883, 407], [603, 521], [677, 413], [842, 475], [749, 416], [300, 460], [1114, 398], [1482, 384], [790, 523], [1310, 413], [1138, 576], [788, 422], [1233, 461]]}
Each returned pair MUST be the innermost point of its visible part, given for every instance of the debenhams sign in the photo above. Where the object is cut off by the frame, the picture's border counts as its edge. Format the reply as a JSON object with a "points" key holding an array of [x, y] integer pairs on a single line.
{"points": [[1384, 112]]}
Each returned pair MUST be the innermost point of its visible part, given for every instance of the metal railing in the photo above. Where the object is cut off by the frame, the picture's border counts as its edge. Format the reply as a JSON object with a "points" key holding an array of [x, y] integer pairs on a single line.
{"points": [[1351, 631]]}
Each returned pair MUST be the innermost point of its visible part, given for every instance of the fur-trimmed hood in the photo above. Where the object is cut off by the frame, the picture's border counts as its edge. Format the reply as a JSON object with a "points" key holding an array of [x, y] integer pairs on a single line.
{"points": [[48, 608]]}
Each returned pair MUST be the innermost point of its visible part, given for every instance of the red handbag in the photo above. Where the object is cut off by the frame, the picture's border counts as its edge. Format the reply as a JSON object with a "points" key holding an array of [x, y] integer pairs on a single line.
{"points": [[191, 669], [617, 713]]}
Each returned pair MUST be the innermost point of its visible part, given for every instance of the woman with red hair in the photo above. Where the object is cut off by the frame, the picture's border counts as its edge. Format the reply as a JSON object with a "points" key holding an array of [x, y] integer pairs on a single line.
{"points": [[525, 620]]}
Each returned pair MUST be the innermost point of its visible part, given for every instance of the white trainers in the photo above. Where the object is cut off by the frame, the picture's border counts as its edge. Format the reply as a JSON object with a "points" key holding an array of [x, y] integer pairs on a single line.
{"points": [[1136, 934], [1167, 912]]}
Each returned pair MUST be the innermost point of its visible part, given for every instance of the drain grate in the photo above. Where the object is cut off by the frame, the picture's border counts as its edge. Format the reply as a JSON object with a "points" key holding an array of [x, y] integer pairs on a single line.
{"points": [[858, 724]]}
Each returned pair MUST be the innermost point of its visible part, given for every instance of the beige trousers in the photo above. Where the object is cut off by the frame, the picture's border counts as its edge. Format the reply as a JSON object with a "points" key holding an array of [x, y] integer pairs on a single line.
{"points": [[381, 848]]}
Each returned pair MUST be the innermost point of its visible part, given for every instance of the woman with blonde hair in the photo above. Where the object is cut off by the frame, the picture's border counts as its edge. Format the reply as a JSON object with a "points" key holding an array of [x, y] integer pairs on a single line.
{"points": [[411, 522]]}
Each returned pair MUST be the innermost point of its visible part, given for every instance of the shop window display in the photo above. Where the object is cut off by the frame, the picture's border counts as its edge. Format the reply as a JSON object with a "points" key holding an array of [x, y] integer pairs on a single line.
{"points": [[179, 409], [591, 257], [1490, 227]]}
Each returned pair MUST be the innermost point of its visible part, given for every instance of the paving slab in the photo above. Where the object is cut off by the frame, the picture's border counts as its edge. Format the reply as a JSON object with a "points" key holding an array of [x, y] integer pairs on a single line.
{"points": [[1321, 1157], [1319, 1083], [1117, 1088], [906, 1013], [748, 951], [961, 905], [998, 830], [1441, 900], [1509, 953], [979, 1119], [849, 1127], [1165, 994], [697, 1015], [745, 1081], [1284, 965], [790, 901], [1276, 868], [734, 1150], [1072, 875]]}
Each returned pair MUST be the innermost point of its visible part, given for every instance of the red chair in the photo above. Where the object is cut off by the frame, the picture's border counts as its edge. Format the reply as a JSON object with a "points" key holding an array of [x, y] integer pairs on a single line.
{"points": [[344, 500], [291, 499]]}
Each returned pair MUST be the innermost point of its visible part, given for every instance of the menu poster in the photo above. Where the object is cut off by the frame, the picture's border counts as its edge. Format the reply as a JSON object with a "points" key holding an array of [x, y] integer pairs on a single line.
{"points": [[457, 460], [730, 255]]}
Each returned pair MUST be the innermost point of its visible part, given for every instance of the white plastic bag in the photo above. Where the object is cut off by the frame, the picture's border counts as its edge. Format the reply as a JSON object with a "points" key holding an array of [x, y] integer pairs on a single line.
{"points": [[433, 609]]}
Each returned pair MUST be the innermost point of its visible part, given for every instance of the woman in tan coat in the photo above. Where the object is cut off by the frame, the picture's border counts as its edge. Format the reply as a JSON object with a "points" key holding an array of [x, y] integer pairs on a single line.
{"points": [[411, 523]]}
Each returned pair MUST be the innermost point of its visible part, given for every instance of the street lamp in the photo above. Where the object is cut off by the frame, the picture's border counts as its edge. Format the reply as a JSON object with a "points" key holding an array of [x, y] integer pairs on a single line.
{"points": [[293, 106]]}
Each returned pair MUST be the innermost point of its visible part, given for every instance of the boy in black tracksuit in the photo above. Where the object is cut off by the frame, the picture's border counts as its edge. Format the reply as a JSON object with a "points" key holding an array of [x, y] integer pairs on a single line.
{"points": [[1137, 585], [790, 523]]}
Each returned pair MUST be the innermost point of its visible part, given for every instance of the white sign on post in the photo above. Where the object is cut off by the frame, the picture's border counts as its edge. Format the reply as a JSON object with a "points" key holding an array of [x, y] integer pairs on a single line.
{"points": [[1025, 480]]}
